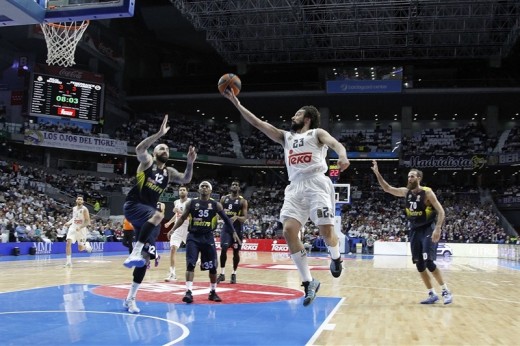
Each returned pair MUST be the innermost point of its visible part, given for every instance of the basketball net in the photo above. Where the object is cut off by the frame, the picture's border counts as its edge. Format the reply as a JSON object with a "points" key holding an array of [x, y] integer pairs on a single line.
{"points": [[62, 40]]}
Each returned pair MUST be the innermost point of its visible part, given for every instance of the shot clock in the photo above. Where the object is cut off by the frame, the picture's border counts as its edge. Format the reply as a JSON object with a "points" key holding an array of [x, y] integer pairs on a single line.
{"points": [[334, 171], [55, 96]]}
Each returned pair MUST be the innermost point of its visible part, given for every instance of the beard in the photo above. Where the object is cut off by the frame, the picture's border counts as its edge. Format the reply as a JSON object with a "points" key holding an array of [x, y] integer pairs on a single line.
{"points": [[412, 185], [162, 158], [296, 126]]}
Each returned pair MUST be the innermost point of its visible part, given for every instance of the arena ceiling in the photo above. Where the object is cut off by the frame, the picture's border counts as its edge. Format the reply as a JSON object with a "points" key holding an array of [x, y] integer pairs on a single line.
{"points": [[288, 31], [274, 42]]}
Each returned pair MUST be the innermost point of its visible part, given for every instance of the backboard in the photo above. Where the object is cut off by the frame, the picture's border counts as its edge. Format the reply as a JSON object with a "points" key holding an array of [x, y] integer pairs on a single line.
{"points": [[342, 193], [27, 12]]}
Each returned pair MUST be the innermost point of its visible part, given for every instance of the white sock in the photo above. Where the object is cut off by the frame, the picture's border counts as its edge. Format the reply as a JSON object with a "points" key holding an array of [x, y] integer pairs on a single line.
{"points": [[444, 287], [223, 271], [234, 272], [172, 270], [189, 285], [69, 258], [334, 251], [133, 290], [212, 286], [300, 260], [432, 290]]}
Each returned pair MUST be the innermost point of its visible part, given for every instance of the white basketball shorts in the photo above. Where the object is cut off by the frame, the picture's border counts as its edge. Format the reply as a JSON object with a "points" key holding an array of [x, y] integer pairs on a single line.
{"points": [[311, 197], [179, 236]]}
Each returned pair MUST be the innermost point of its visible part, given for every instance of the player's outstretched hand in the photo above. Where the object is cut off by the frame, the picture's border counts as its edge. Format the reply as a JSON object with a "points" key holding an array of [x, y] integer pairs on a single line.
{"points": [[164, 126], [192, 154], [374, 167], [230, 95]]}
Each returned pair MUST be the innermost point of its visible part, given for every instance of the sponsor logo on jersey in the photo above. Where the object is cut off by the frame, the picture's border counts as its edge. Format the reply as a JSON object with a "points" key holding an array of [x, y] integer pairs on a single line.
{"points": [[295, 159]]}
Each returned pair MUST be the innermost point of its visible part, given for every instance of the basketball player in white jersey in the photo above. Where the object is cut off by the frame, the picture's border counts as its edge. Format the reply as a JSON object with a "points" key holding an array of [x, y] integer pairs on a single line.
{"points": [[310, 193], [180, 234], [77, 230]]}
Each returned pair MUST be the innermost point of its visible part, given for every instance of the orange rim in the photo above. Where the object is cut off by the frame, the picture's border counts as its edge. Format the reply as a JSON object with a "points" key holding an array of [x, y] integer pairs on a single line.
{"points": [[74, 27]]}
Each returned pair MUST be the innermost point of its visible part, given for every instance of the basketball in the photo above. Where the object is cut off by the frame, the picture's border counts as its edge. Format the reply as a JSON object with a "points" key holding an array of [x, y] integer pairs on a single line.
{"points": [[229, 81]]}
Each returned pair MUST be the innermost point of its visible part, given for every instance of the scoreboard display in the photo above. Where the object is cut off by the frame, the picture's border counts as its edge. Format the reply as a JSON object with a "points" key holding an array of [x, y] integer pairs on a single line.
{"points": [[55, 96]]}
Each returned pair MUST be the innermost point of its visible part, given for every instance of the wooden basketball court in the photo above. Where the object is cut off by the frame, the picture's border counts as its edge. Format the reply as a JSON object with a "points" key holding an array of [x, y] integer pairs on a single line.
{"points": [[376, 302]]}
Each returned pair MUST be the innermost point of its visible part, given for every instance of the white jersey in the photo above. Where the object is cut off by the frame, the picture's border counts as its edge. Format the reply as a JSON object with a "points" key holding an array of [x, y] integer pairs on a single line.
{"points": [[304, 154], [78, 216], [181, 206]]}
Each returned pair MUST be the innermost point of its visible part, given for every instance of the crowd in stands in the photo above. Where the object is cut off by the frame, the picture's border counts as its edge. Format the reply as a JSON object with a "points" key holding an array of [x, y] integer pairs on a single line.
{"points": [[28, 214], [470, 139], [377, 140], [214, 139], [259, 146], [512, 143], [59, 127]]}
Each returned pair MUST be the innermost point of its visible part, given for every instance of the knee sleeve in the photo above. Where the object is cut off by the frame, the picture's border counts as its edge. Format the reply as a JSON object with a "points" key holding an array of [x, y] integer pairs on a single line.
{"points": [[139, 274], [190, 267], [431, 265], [421, 266]]}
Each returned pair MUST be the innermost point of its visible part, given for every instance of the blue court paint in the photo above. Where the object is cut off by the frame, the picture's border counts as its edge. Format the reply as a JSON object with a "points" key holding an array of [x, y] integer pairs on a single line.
{"points": [[71, 314]]}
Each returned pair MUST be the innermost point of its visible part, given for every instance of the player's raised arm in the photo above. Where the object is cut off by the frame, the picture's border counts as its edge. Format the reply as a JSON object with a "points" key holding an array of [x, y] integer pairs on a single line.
{"points": [[269, 130], [396, 191]]}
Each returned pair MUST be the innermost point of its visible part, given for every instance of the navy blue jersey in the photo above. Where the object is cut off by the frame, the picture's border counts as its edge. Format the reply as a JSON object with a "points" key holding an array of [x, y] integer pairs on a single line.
{"points": [[417, 211], [203, 215], [150, 185], [233, 207]]}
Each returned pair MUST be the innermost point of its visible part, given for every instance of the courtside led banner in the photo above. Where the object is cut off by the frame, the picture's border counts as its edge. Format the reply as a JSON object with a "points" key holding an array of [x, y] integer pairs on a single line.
{"points": [[349, 86]]}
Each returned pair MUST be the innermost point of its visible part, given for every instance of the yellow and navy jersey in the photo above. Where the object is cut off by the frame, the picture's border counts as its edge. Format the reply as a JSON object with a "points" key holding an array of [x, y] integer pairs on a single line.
{"points": [[417, 211], [233, 207], [203, 215], [150, 185]]}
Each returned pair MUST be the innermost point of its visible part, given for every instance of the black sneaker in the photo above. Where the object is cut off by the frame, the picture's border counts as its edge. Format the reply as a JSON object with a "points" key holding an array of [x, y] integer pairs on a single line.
{"points": [[213, 296], [336, 267], [311, 288], [233, 279], [188, 298], [221, 278]]}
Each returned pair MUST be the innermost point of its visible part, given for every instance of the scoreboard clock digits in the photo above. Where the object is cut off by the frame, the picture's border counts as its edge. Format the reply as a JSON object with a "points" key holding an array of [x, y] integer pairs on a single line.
{"points": [[55, 96]]}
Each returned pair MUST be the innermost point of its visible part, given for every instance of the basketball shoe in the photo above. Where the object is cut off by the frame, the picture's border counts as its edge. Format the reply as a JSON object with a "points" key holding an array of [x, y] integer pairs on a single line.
{"points": [[170, 277], [130, 305], [446, 296], [336, 267], [135, 259], [188, 298], [432, 298], [311, 288], [213, 296], [233, 279], [221, 278]]}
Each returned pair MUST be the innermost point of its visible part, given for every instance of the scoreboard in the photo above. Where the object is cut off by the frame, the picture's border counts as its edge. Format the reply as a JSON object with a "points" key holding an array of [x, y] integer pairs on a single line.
{"points": [[55, 96]]}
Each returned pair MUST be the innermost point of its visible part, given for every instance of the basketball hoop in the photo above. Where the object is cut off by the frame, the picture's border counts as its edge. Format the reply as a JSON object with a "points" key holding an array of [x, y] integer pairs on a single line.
{"points": [[62, 39]]}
